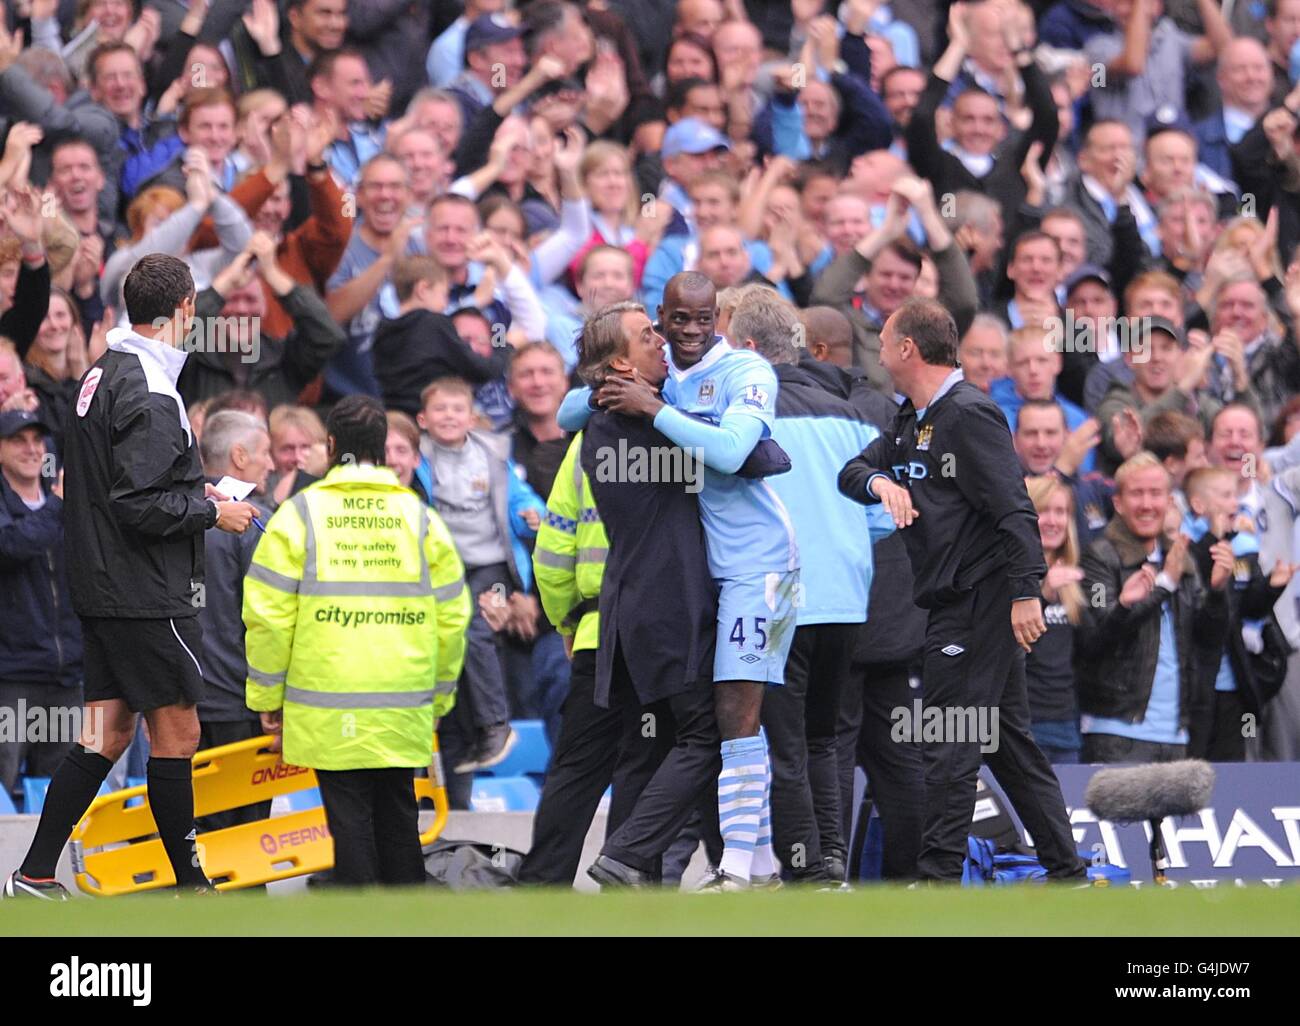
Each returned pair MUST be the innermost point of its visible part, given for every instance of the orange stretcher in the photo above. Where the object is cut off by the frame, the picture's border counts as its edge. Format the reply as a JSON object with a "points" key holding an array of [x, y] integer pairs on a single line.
{"points": [[116, 850]]}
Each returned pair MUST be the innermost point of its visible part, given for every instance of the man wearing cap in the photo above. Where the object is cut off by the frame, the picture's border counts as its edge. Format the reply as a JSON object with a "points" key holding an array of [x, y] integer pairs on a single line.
{"points": [[494, 61], [690, 148], [40, 646], [136, 515], [1164, 378], [1088, 336]]}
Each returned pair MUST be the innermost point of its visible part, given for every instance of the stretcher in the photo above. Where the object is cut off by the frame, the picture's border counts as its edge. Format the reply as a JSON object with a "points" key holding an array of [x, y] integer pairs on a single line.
{"points": [[116, 850]]}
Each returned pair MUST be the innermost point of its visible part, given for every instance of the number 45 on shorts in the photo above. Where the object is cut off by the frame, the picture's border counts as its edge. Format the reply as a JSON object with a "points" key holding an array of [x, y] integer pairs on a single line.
{"points": [[758, 634]]}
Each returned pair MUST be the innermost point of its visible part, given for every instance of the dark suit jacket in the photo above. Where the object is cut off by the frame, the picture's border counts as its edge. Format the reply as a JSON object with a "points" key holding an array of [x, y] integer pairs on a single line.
{"points": [[658, 602]]}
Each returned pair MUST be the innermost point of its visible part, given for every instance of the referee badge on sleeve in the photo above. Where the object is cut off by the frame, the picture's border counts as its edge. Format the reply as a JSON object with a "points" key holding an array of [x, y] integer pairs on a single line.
{"points": [[87, 392]]}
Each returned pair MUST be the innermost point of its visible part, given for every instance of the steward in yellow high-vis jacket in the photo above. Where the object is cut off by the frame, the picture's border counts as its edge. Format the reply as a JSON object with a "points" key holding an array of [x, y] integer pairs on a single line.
{"points": [[356, 608]]}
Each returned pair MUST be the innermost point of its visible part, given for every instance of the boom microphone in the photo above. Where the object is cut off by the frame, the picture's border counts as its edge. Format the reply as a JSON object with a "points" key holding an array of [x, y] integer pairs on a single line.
{"points": [[1151, 792], [1131, 793]]}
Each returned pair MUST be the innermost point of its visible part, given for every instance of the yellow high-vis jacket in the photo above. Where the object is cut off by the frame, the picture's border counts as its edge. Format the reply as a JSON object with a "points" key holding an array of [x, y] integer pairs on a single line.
{"points": [[569, 559], [356, 608]]}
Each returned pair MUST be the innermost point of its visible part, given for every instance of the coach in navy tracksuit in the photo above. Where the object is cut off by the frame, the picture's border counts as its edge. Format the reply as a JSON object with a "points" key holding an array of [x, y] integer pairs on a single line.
{"points": [[948, 475], [820, 433]]}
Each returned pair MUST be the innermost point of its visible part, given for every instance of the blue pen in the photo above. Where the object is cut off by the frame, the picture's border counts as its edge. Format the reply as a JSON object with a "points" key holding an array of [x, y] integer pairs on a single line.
{"points": [[259, 525]]}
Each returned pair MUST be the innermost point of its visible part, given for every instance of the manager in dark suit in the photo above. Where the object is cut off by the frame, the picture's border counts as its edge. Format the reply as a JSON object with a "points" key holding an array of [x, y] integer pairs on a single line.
{"points": [[658, 603]]}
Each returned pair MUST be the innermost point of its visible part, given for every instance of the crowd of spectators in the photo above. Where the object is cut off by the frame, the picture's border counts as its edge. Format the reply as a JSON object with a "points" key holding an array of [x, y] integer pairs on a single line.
{"points": [[423, 201]]}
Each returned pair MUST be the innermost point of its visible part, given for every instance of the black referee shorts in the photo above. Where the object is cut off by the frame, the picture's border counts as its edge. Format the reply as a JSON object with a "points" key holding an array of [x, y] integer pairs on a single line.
{"points": [[148, 664]]}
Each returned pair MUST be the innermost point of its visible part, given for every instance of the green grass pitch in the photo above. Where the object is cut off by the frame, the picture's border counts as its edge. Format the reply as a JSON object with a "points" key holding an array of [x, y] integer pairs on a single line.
{"points": [[1256, 910]]}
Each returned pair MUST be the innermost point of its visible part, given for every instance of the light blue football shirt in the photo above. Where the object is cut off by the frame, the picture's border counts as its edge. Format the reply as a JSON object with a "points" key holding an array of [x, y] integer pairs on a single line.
{"points": [[746, 526]]}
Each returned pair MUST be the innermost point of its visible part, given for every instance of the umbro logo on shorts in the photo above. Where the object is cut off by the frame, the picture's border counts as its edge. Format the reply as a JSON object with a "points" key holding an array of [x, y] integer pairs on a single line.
{"points": [[952, 650], [749, 657]]}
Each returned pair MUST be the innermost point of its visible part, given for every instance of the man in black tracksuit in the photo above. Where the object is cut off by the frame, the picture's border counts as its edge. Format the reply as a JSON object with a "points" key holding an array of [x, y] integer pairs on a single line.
{"points": [[949, 477], [135, 511]]}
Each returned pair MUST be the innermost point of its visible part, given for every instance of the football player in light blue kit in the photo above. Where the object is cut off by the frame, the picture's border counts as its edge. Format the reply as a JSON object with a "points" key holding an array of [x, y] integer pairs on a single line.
{"points": [[719, 402]]}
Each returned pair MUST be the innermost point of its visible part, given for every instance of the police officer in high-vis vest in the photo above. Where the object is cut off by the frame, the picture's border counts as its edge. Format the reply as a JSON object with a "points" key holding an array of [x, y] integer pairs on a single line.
{"points": [[356, 610]]}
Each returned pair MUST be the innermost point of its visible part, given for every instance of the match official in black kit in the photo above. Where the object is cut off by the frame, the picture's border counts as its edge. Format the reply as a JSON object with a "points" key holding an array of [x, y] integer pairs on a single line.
{"points": [[136, 510], [948, 475]]}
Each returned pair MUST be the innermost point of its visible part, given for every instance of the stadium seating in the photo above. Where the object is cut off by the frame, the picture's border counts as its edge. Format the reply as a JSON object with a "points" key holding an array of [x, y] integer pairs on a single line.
{"points": [[299, 801], [530, 755], [504, 794], [34, 789]]}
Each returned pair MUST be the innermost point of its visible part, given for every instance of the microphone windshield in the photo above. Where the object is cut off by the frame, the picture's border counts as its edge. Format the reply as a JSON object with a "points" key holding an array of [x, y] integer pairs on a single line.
{"points": [[1132, 793]]}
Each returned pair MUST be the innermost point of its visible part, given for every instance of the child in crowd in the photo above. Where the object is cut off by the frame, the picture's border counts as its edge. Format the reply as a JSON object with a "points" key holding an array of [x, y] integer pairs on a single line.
{"points": [[1224, 541], [490, 511]]}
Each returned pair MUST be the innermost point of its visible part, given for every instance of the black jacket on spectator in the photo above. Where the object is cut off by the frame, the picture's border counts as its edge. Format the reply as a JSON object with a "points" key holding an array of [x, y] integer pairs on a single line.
{"points": [[1117, 648], [1003, 183], [975, 515], [420, 346], [136, 512], [22, 321], [394, 36], [56, 398], [225, 670], [539, 460], [40, 640], [1249, 597], [667, 644], [283, 366]]}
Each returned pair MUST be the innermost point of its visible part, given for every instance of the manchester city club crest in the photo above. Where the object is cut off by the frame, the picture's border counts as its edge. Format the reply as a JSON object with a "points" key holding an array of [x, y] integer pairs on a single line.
{"points": [[706, 390], [923, 438]]}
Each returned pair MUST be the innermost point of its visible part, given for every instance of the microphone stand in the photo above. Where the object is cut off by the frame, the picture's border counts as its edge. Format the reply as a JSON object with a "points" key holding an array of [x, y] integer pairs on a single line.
{"points": [[1159, 857]]}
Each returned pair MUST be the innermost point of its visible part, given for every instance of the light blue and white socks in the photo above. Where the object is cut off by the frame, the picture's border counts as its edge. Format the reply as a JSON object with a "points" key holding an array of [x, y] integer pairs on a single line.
{"points": [[744, 813], [765, 864]]}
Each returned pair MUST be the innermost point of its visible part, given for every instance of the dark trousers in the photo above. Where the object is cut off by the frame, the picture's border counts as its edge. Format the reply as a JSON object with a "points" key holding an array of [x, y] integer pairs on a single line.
{"points": [[1227, 743], [981, 679], [42, 757], [214, 735], [679, 737], [895, 774], [375, 823], [1113, 748], [591, 752], [799, 719], [482, 680]]}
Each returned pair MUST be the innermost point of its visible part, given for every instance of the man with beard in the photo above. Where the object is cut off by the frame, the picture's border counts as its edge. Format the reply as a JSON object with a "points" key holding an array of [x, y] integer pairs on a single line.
{"points": [[723, 403]]}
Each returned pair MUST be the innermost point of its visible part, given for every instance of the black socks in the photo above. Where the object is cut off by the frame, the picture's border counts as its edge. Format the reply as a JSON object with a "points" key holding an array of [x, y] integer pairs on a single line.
{"points": [[73, 788], [171, 797]]}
